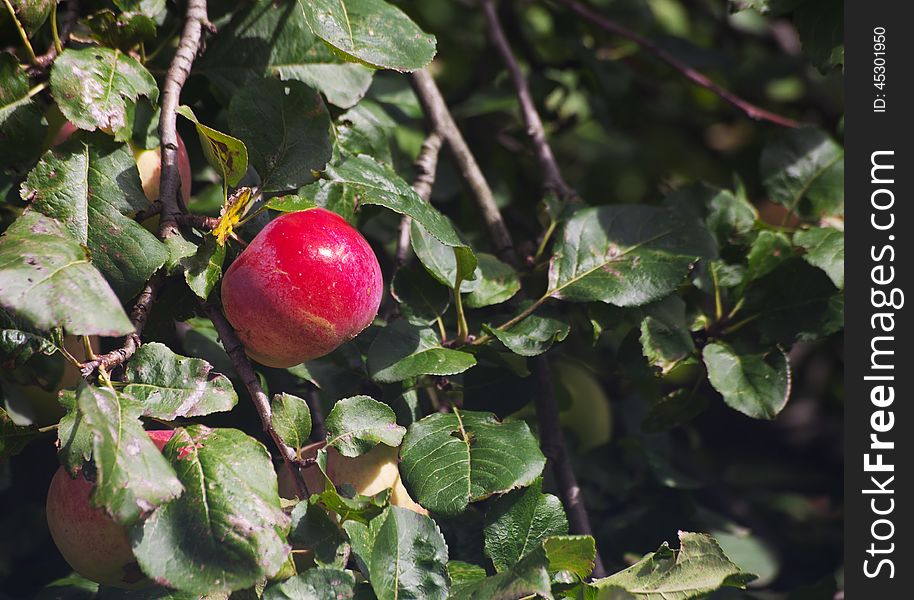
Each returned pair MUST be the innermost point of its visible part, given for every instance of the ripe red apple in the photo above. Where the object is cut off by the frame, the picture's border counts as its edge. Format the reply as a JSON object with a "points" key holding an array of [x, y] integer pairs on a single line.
{"points": [[90, 541], [307, 283]]}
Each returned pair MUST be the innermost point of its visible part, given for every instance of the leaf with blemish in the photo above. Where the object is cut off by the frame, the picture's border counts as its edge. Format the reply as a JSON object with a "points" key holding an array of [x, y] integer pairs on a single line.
{"points": [[97, 88], [449, 460], [227, 531], [172, 386], [291, 418], [233, 211], [132, 477], [227, 154]]}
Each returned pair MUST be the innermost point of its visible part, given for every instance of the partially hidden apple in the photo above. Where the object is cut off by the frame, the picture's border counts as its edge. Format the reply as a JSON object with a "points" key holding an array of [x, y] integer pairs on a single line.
{"points": [[89, 540], [37, 403], [148, 163], [368, 474], [306, 283]]}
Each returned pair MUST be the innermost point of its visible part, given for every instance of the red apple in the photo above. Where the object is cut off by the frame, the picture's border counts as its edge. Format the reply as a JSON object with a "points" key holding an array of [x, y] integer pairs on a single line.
{"points": [[90, 541], [307, 283]]}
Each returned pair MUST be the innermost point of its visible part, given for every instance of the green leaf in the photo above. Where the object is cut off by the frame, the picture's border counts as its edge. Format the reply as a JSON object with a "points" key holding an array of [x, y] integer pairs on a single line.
{"points": [[122, 30], [824, 249], [422, 300], [757, 385], [532, 336], [527, 578], [314, 584], [768, 250], [17, 346], [13, 438], [449, 460], [804, 171], [496, 282], [291, 418], [518, 522], [286, 129], [226, 532], [172, 386], [339, 198], [445, 263], [91, 184], [625, 255], [728, 216], [379, 184], [366, 129], [463, 572], [314, 529], [571, 557], [263, 39], [227, 154], [402, 350], [698, 568], [402, 554], [97, 87], [820, 24], [371, 32], [132, 477], [203, 270], [665, 337], [30, 13], [22, 129], [73, 437], [46, 278], [795, 302], [358, 424]]}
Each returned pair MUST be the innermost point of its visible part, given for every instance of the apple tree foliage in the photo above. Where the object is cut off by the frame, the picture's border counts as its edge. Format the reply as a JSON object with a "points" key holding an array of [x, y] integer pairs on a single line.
{"points": [[660, 277]]}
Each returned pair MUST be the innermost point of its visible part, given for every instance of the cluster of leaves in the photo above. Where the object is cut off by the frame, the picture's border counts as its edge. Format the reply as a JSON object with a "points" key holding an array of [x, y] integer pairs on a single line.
{"points": [[689, 287]]}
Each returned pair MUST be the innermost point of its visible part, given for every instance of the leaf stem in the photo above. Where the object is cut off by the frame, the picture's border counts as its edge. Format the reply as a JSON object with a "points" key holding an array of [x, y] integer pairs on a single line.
{"points": [[739, 325], [57, 45], [87, 348], [514, 320], [22, 32], [718, 305], [49, 428], [546, 237], [462, 329]]}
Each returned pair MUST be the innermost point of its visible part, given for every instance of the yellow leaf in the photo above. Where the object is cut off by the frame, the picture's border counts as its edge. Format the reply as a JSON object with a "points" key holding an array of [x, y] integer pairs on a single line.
{"points": [[233, 211]]}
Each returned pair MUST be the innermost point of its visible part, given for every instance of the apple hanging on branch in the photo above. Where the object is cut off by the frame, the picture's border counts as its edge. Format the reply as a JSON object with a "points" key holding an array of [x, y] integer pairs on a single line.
{"points": [[307, 283], [90, 541]]}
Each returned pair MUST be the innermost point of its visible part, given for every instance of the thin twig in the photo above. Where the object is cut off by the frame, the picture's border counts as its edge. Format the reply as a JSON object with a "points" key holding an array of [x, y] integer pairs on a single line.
{"points": [[442, 121], [170, 181], [696, 77], [241, 362], [552, 442], [552, 176], [426, 166]]}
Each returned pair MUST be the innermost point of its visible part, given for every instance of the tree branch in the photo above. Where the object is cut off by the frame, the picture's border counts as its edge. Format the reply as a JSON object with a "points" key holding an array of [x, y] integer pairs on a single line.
{"points": [[696, 77], [43, 62], [426, 165], [552, 442], [443, 122], [552, 177], [241, 362], [170, 181]]}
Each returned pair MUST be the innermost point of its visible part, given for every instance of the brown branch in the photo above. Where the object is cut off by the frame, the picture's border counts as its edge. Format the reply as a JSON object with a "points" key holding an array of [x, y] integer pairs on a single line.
{"points": [[442, 121], [170, 181], [552, 442], [696, 77], [426, 165], [552, 177], [245, 370], [138, 316]]}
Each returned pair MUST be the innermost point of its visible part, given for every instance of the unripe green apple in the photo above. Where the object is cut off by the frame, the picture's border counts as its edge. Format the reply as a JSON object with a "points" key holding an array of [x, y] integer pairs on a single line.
{"points": [[89, 540], [368, 474], [588, 414], [306, 283]]}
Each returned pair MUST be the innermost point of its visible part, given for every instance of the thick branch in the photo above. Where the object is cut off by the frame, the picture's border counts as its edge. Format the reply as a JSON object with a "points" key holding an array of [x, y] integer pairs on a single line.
{"points": [[552, 442], [751, 110], [552, 176], [245, 370], [426, 166], [443, 122], [170, 181]]}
